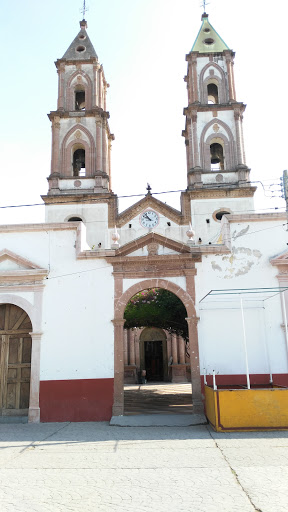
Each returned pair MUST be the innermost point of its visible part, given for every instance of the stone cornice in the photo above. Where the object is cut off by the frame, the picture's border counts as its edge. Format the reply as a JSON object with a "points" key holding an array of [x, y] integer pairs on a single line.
{"points": [[191, 54], [10, 228], [75, 114], [213, 193], [24, 276], [78, 198], [70, 62], [256, 217], [198, 107]]}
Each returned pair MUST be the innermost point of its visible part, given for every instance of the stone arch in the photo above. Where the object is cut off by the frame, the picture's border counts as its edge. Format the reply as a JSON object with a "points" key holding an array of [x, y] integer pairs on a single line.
{"points": [[21, 303], [228, 142], [86, 86], [155, 283], [222, 90], [90, 151], [192, 320]]}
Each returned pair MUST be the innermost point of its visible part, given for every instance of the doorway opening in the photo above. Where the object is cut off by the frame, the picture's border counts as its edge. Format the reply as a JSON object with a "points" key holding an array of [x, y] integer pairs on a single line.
{"points": [[15, 360], [157, 371]]}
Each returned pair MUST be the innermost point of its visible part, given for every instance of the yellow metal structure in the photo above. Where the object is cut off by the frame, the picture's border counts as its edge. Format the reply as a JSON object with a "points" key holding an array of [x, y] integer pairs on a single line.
{"points": [[230, 410]]}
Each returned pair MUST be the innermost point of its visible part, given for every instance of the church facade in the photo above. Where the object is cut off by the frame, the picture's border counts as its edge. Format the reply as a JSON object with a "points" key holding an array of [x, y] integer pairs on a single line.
{"points": [[65, 283]]}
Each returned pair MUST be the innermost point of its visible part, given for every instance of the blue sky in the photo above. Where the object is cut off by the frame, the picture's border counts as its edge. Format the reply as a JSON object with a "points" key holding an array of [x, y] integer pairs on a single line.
{"points": [[142, 45]]}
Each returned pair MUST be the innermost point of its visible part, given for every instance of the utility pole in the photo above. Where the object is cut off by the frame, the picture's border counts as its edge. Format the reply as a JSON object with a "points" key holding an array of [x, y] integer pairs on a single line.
{"points": [[284, 187]]}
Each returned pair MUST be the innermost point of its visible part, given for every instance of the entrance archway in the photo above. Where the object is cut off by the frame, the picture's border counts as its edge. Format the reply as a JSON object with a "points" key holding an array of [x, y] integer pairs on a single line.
{"points": [[119, 308], [15, 360]]}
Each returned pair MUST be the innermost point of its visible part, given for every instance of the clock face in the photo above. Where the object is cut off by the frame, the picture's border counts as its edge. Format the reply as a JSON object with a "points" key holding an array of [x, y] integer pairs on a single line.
{"points": [[149, 219]]}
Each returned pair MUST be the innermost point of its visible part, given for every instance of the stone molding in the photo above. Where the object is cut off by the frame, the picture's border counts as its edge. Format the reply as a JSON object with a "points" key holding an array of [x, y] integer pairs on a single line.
{"points": [[213, 193], [256, 217], [150, 202]]}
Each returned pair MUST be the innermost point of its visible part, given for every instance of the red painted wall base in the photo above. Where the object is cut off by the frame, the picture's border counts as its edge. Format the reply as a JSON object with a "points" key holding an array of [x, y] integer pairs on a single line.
{"points": [[76, 400]]}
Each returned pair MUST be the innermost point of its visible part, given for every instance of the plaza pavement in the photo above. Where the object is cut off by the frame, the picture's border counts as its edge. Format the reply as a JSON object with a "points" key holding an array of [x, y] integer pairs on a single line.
{"points": [[57, 467]]}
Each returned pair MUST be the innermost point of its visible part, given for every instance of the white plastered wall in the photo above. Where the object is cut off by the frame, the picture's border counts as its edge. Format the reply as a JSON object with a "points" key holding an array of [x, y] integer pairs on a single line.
{"points": [[94, 216], [220, 328], [78, 334]]}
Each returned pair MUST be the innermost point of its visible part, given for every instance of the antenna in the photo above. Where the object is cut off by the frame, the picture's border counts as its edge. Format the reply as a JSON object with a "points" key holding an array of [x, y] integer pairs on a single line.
{"points": [[84, 9], [204, 3]]}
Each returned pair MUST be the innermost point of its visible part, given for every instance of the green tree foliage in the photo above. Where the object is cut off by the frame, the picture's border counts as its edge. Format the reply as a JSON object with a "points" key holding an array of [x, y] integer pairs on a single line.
{"points": [[157, 308]]}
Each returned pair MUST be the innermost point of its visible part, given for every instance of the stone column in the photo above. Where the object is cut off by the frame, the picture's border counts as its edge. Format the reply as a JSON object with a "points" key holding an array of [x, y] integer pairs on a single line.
{"points": [[104, 148], [131, 348], [94, 86], [118, 405], [174, 349], [195, 96], [242, 139], [100, 88], [34, 409], [137, 349], [109, 163], [181, 349], [195, 365], [60, 72], [169, 348], [195, 139], [125, 342], [238, 137], [55, 144], [230, 79], [98, 145]]}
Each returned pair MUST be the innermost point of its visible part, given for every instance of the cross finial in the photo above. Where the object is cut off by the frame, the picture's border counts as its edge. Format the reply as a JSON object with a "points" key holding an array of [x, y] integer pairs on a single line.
{"points": [[204, 3], [84, 9]]}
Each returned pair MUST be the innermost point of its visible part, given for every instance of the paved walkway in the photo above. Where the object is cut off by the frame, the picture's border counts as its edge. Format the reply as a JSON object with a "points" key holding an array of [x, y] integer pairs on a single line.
{"points": [[157, 398], [88, 467]]}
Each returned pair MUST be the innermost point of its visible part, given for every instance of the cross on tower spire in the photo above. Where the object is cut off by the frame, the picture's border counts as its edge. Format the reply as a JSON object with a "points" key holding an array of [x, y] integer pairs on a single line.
{"points": [[84, 9], [204, 3]]}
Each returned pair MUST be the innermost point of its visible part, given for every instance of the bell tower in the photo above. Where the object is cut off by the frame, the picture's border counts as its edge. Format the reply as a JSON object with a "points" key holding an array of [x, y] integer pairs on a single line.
{"points": [[81, 137], [216, 162]]}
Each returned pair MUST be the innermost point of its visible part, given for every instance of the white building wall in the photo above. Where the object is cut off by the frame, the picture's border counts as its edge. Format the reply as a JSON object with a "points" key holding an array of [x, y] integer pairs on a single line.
{"points": [[220, 326], [202, 210], [94, 216], [78, 307]]}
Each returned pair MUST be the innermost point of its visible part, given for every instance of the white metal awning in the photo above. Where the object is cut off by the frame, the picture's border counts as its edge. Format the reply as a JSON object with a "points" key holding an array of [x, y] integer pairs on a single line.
{"points": [[244, 298]]}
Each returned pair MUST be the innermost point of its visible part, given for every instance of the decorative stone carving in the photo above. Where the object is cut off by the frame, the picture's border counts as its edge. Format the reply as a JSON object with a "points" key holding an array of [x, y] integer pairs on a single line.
{"points": [[219, 178], [153, 249], [77, 183], [216, 127], [190, 233], [115, 238], [78, 134]]}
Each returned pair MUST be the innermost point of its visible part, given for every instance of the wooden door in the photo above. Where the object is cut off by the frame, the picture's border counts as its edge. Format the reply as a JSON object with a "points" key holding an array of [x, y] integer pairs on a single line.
{"points": [[15, 360]]}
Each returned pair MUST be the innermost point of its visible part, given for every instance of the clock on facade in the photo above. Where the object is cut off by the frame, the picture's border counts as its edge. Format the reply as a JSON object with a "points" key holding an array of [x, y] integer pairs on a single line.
{"points": [[149, 219]]}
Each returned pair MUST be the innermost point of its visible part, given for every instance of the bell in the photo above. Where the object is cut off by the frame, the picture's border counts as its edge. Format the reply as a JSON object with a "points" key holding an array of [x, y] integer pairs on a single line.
{"points": [[216, 152]]}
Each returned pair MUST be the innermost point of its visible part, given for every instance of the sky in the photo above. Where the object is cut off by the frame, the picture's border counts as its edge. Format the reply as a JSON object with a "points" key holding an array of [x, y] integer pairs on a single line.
{"points": [[142, 45]]}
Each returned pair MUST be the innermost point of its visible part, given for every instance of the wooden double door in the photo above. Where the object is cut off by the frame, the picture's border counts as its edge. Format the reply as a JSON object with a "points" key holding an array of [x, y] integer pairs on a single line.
{"points": [[15, 360]]}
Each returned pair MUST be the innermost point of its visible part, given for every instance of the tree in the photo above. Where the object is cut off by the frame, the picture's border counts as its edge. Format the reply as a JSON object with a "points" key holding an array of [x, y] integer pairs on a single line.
{"points": [[157, 307]]}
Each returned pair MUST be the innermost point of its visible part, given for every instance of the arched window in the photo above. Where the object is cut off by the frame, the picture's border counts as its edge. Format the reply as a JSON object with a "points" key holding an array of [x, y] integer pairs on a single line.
{"points": [[217, 157], [75, 219], [212, 91], [79, 99], [79, 167]]}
